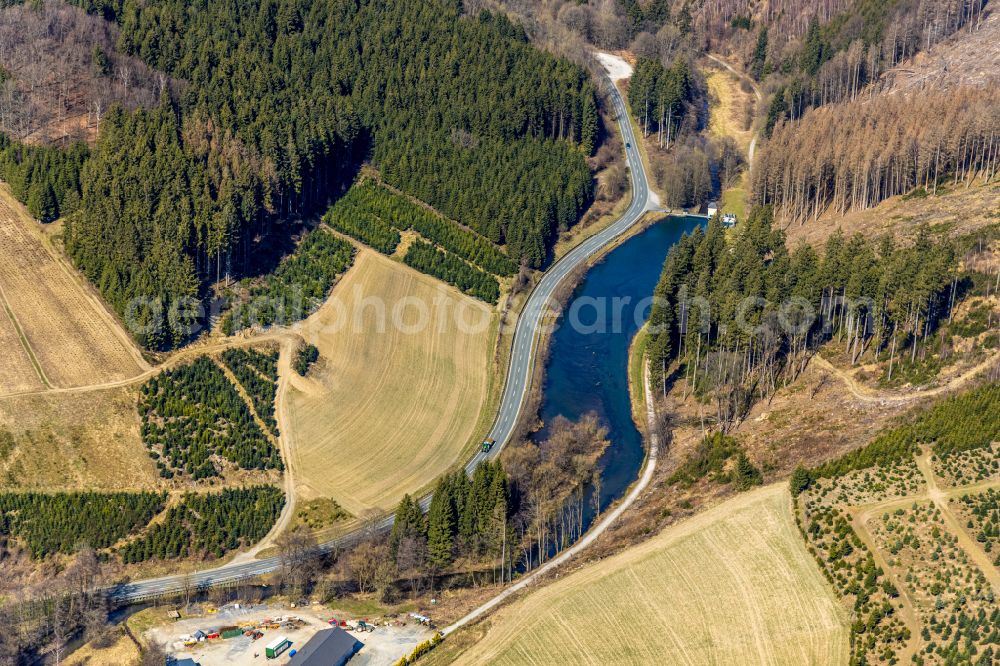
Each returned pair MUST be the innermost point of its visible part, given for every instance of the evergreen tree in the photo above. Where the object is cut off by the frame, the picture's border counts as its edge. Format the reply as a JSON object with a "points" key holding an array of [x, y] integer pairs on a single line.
{"points": [[441, 527], [684, 20], [759, 59], [800, 481], [777, 110], [99, 61], [745, 475], [42, 202], [409, 523], [814, 50]]}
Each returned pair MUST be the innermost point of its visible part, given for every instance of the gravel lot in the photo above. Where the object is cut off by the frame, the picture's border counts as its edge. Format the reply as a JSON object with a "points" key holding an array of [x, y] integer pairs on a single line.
{"points": [[383, 646]]}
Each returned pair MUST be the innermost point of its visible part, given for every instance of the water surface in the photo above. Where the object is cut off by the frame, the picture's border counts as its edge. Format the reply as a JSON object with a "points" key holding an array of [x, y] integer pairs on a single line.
{"points": [[588, 363]]}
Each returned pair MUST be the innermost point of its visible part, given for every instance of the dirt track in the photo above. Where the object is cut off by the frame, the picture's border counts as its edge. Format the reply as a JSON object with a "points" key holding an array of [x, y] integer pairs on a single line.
{"points": [[867, 394]]}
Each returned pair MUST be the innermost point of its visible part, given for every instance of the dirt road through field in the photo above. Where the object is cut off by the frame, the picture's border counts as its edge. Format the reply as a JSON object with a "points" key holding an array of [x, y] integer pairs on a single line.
{"points": [[970, 545]]}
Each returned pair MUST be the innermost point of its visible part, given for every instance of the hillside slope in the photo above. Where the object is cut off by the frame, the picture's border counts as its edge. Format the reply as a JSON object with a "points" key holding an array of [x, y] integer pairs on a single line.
{"points": [[732, 585]]}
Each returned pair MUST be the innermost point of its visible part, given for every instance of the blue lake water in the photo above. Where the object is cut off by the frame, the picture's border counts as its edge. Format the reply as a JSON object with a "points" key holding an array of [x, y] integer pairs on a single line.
{"points": [[588, 365]]}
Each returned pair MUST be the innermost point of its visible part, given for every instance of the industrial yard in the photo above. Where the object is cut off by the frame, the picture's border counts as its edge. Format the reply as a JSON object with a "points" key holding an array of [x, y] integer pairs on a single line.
{"points": [[240, 634]]}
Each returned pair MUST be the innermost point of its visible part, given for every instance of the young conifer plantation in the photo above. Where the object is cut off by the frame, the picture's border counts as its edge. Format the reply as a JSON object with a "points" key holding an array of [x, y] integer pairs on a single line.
{"points": [[297, 287], [51, 523], [193, 419], [209, 525], [257, 373]]}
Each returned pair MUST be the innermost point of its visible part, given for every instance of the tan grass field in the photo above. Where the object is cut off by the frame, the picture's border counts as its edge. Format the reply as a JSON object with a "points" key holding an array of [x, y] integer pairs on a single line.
{"points": [[733, 585], [385, 413], [123, 652], [85, 440], [728, 108], [73, 339]]}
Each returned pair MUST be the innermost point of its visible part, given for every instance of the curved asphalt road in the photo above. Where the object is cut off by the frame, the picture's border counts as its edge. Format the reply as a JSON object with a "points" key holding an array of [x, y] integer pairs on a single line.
{"points": [[514, 393]]}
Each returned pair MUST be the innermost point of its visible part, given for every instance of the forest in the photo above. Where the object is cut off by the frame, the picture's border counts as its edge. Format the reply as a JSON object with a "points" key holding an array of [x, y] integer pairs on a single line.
{"points": [[369, 199], [446, 266], [840, 137], [43, 178], [742, 315], [467, 516], [193, 418], [836, 59], [281, 100], [661, 97], [63, 522], [207, 525], [296, 288], [667, 102], [60, 72], [817, 53], [257, 373], [516, 512], [350, 216], [855, 154]]}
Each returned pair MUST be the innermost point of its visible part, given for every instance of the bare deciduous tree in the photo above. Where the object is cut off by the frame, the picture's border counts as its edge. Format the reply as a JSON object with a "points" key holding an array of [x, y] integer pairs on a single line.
{"points": [[300, 558]]}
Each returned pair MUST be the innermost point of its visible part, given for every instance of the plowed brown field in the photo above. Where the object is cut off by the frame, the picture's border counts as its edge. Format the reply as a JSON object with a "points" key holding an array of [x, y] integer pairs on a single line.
{"points": [[54, 331]]}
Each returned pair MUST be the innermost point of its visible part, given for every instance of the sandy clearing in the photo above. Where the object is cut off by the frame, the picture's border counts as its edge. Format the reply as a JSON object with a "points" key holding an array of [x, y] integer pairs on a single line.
{"points": [[616, 66], [387, 408], [734, 584], [74, 339]]}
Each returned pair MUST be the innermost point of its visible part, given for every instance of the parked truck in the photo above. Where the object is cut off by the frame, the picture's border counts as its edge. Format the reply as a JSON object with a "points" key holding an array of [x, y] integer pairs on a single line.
{"points": [[276, 647]]}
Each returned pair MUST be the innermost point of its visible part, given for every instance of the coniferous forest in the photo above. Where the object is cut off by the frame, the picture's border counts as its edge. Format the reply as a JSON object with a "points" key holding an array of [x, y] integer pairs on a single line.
{"points": [[297, 287], [380, 208], [660, 97], [257, 373], [45, 179], [443, 265], [211, 524], [354, 217], [518, 512], [375, 215], [193, 418], [742, 314], [62, 522], [938, 138], [276, 102], [202, 524], [466, 515]]}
